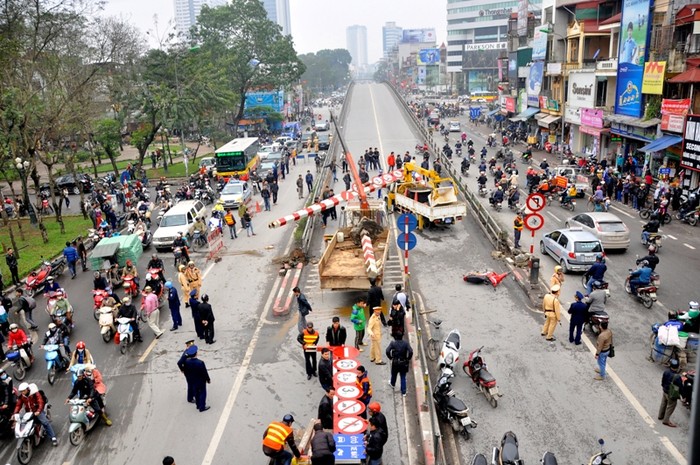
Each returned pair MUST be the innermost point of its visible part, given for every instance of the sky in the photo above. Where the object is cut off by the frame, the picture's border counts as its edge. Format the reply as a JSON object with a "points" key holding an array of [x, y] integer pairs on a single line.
{"points": [[316, 24]]}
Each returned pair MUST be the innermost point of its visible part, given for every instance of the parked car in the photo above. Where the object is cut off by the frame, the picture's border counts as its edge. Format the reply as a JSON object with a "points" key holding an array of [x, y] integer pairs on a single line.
{"points": [[234, 193], [322, 126], [609, 228], [180, 218], [209, 163], [269, 162], [454, 126], [67, 181], [573, 248], [265, 150]]}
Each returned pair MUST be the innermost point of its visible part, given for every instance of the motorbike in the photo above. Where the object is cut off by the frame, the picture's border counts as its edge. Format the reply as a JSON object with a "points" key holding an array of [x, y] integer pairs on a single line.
{"points": [[55, 361], [449, 354], [144, 234], [20, 360], [130, 286], [688, 379], [484, 277], [654, 239], [37, 278], [601, 458], [479, 459], [114, 276], [450, 408], [482, 190], [29, 434], [645, 293], [126, 334], [98, 296], [549, 459], [692, 218], [595, 319], [82, 419], [508, 453], [568, 204], [495, 204], [465, 167], [52, 298], [106, 321], [475, 367], [180, 258], [165, 206]]}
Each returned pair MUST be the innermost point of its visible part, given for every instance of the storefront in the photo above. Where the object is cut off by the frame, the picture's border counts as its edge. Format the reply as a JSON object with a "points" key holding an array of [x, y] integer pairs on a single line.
{"points": [[690, 155], [664, 153], [634, 133], [594, 135]]}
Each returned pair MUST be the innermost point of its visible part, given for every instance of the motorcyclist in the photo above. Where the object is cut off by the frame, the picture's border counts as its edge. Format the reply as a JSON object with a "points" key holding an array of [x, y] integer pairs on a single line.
{"points": [[482, 166], [527, 153], [99, 282], [154, 283], [80, 355], [596, 272], [201, 227], [652, 227], [181, 242], [156, 262], [55, 335], [544, 166], [18, 337], [128, 310], [32, 401], [161, 184], [497, 174], [496, 196], [51, 285], [568, 194], [596, 299], [8, 399], [63, 307], [130, 270], [513, 196], [651, 258], [640, 277], [482, 180], [465, 165], [84, 387], [483, 153], [691, 322]]}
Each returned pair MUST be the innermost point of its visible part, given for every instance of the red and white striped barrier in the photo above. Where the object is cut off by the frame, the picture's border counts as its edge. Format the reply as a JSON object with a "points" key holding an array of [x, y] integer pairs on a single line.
{"points": [[375, 183], [368, 252]]}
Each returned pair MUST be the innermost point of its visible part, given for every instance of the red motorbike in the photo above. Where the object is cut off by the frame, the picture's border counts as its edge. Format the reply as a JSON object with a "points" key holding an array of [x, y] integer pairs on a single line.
{"points": [[36, 279], [475, 368], [157, 272], [130, 286], [484, 277], [52, 298], [98, 296]]}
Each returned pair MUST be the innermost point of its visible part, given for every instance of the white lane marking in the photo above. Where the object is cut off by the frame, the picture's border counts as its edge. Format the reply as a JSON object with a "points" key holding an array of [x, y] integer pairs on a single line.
{"points": [[382, 161], [553, 216], [689, 246], [672, 237], [672, 449], [622, 211]]}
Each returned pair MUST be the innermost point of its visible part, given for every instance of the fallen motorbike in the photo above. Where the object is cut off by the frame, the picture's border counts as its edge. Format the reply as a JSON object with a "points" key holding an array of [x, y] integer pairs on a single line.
{"points": [[20, 360], [29, 434], [508, 453], [82, 419], [55, 361], [475, 367], [106, 321], [646, 293], [601, 458], [484, 277], [450, 408], [449, 354], [37, 278]]}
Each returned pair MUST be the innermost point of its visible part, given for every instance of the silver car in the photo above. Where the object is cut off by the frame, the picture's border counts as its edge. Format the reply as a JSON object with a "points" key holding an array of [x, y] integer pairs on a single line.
{"points": [[609, 228], [573, 248], [234, 193]]}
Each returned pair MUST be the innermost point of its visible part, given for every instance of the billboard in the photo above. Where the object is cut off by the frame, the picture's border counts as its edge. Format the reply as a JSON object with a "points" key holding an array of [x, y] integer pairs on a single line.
{"points": [[534, 83], [634, 37], [522, 17], [420, 77], [653, 82], [673, 113], [412, 36], [581, 90], [275, 100], [428, 56], [481, 80], [539, 45], [691, 143]]}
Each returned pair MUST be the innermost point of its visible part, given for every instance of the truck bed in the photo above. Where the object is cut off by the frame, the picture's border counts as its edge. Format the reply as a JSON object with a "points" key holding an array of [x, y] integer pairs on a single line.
{"points": [[435, 212], [342, 265]]}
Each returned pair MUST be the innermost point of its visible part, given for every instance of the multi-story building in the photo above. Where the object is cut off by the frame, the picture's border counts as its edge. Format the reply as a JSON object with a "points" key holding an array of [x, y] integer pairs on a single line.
{"points": [[391, 36], [357, 45], [186, 12], [278, 12]]}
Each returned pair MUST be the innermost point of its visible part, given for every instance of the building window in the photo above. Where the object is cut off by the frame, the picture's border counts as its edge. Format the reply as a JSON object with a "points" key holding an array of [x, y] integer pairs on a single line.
{"points": [[601, 92]]}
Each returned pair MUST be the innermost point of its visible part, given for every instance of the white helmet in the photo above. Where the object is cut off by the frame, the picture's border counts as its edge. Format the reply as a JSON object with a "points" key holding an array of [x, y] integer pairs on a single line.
{"points": [[148, 276], [693, 305], [23, 387]]}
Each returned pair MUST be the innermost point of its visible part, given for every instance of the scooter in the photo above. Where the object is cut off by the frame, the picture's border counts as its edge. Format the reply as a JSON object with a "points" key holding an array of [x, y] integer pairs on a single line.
{"points": [[82, 419], [508, 453], [475, 367], [29, 434], [98, 296], [55, 362], [654, 239], [130, 286], [20, 360], [52, 298], [450, 408], [106, 321], [482, 190], [35, 280], [449, 354], [595, 319], [180, 258], [549, 459], [126, 334], [645, 293], [601, 458], [569, 204], [465, 167], [114, 276]]}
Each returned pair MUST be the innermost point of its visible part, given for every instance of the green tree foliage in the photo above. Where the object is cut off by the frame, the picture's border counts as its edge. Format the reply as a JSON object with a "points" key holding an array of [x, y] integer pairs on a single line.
{"points": [[107, 134], [327, 70]]}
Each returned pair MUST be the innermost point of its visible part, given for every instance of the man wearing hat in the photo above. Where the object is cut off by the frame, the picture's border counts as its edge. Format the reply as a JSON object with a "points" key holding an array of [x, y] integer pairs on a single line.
{"points": [[552, 312], [197, 378], [181, 366], [274, 439], [174, 305], [194, 307], [670, 396], [151, 311], [579, 313], [374, 329]]}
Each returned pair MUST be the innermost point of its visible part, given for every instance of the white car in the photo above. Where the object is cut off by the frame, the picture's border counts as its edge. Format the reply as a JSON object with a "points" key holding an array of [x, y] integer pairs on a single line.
{"points": [[180, 218], [607, 227], [454, 126], [265, 150], [234, 193]]}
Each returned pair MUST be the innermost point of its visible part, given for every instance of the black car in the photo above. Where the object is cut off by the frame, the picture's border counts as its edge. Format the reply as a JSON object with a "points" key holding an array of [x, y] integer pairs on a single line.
{"points": [[68, 182], [324, 141]]}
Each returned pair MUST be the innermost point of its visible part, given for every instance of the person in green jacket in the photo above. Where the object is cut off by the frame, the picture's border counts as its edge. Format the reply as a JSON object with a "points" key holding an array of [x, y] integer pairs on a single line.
{"points": [[358, 319]]}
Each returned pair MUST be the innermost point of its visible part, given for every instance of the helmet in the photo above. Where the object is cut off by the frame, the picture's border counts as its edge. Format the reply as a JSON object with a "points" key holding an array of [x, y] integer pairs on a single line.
{"points": [[288, 418], [52, 326], [181, 267], [128, 263], [644, 263], [597, 284], [652, 249], [80, 345], [154, 256], [14, 326], [80, 372], [148, 276], [374, 407], [97, 274], [190, 263], [544, 159], [693, 305], [126, 299], [205, 298], [23, 387], [147, 289], [673, 363], [50, 278], [557, 269], [168, 284], [179, 233]]}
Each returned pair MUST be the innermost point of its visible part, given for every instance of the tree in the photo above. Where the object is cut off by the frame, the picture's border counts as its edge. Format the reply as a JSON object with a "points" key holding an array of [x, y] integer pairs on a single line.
{"points": [[327, 69], [107, 134]]}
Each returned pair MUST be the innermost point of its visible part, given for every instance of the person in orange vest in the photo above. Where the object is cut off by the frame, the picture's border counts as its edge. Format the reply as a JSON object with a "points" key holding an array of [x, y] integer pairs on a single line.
{"points": [[517, 229], [391, 161], [365, 387], [230, 221], [274, 438], [308, 340]]}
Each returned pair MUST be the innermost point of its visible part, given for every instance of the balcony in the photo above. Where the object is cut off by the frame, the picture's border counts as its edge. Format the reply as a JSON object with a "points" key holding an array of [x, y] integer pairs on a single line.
{"points": [[606, 67]]}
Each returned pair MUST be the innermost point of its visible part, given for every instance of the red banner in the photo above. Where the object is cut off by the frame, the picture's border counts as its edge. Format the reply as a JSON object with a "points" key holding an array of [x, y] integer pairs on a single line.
{"points": [[510, 104], [673, 112]]}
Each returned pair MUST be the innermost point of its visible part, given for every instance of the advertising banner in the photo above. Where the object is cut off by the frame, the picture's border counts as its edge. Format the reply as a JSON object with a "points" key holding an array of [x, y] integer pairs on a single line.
{"points": [[420, 78], [653, 82], [539, 45], [510, 104], [534, 83], [581, 90], [522, 17], [634, 36], [274, 100], [673, 113], [413, 36], [522, 100], [480, 80], [691, 143], [592, 117], [428, 56]]}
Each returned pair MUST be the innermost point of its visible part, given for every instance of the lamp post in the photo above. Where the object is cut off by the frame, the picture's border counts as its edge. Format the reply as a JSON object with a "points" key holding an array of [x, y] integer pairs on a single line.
{"points": [[22, 167], [549, 30]]}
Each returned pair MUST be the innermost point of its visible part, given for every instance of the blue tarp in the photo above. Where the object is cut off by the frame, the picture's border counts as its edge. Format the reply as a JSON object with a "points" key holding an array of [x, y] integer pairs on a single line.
{"points": [[493, 112], [526, 115], [662, 143]]}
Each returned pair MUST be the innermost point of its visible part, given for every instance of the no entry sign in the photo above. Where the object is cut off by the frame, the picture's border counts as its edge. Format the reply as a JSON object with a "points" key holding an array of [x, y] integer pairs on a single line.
{"points": [[349, 407], [350, 425], [345, 352]]}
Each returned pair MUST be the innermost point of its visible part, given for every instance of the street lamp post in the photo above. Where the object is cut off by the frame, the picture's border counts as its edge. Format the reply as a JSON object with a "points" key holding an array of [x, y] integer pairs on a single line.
{"points": [[548, 30], [22, 167]]}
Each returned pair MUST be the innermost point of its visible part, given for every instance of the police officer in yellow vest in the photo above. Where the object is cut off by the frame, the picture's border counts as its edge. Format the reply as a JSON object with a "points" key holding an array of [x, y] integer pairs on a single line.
{"points": [[552, 312], [308, 340], [274, 438]]}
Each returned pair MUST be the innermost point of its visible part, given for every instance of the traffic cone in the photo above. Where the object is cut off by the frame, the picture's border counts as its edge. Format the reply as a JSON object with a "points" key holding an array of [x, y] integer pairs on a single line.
{"points": [[258, 209]]}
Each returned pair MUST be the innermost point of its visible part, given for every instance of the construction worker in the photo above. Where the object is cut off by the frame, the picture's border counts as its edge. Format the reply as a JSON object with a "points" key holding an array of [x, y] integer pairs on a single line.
{"points": [[308, 340], [517, 229], [552, 312], [365, 387], [230, 221], [274, 438]]}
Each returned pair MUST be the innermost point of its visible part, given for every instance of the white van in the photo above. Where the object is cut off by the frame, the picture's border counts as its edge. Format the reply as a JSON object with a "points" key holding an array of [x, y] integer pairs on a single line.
{"points": [[180, 218]]}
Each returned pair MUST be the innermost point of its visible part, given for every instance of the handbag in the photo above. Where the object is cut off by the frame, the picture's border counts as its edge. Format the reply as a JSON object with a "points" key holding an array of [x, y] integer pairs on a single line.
{"points": [[611, 353]]}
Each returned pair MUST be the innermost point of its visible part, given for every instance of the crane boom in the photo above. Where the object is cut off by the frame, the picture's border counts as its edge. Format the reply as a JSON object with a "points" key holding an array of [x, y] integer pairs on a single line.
{"points": [[364, 205]]}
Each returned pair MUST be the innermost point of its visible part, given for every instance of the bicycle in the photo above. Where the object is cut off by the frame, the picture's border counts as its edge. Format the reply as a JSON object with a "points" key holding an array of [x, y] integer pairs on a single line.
{"points": [[199, 241], [435, 343]]}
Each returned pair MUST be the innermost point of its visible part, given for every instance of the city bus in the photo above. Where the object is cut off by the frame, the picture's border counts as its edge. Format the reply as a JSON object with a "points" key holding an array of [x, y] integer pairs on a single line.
{"points": [[237, 158], [483, 96]]}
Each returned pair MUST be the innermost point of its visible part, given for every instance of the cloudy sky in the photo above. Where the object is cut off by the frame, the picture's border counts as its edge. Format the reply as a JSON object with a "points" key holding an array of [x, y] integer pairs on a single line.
{"points": [[316, 24]]}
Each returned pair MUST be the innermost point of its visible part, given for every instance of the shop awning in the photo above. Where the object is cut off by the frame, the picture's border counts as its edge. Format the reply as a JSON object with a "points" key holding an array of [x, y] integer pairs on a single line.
{"points": [[493, 112], [690, 76], [547, 120], [630, 121], [596, 132], [662, 143], [525, 115]]}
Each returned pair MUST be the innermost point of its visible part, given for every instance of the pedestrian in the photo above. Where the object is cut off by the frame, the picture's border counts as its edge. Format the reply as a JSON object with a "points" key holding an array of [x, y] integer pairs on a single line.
{"points": [[181, 366], [82, 253], [265, 194], [304, 308], [11, 260], [151, 311], [374, 328], [309, 180], [153, 160], [402, 297], [552, 312], [671, 383], [365, 386], [347, 179], [325, 409], [375, 411], [300, 187], [344, 163], [322, 446], [332, 211], [557, 278], [397, 316], [400, 353], [325, 369], [604, 347], [274, 439], [374, 443], [26, 307], [308, 340], [274, 190], [517, 229], [336, 333], [579, 313], [391, 161], [207, 316], [375, 297], [242, 209], [196, 317], [197, 378], [359, 321], [174, 305], [248, 224], [230, 221], [71, 255]]}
